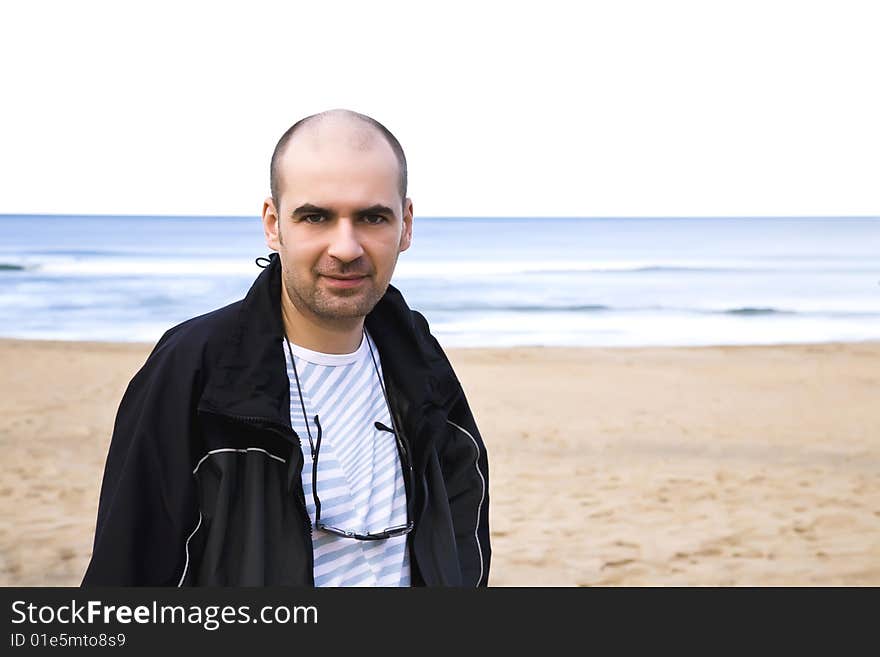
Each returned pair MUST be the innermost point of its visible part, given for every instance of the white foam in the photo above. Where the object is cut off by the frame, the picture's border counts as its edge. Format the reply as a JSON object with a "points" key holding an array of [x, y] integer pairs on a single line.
{"points": [[551, 329], [458, 269], [446, 269], [144, 267]]}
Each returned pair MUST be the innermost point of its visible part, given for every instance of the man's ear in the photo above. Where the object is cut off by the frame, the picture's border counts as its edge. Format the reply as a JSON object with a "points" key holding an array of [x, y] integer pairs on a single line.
{"points": [[271, 224], [406, 234]]}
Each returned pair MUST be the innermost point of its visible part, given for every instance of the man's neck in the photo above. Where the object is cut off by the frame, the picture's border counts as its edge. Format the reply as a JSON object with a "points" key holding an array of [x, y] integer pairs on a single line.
{"points": [[310, 332]]}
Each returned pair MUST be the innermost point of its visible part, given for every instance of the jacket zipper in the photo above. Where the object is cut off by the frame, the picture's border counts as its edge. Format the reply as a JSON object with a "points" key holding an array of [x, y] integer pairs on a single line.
{"points": [[263, 423]]}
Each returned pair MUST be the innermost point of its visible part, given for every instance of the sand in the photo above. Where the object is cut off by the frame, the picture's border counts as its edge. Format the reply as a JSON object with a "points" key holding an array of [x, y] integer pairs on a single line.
{"points": [[645, 466]]}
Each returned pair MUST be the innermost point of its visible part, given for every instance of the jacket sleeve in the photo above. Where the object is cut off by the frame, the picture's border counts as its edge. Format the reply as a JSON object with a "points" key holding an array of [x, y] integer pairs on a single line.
{"points": [[466, 471], [148, 503]]}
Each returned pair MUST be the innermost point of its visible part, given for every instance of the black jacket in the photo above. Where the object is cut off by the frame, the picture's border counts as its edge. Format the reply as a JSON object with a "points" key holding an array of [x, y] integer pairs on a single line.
{"points": [[202, 481]]}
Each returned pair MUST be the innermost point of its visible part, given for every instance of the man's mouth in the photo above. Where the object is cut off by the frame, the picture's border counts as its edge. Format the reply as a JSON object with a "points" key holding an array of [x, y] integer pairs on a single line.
{"points": [[346, 281]]}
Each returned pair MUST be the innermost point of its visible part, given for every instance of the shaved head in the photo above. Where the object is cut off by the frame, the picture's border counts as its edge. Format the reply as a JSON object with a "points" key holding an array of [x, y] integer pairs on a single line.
{"points": [[356, 131]]}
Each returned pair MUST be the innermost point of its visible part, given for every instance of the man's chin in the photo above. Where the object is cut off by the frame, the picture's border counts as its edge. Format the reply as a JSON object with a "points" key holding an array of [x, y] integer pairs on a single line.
{"points": [[347, 304]]}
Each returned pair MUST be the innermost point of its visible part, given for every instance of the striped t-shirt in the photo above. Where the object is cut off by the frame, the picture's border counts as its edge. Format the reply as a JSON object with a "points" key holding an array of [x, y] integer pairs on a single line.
{"points": [[360, 480]]}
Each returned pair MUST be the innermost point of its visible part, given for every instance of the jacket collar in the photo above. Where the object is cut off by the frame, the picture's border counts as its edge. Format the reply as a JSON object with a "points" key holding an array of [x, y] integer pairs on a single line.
{"points": [[250, 382]]}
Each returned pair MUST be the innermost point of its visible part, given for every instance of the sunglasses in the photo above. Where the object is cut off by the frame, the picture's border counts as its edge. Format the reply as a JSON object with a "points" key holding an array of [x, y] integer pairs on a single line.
{"points": [[405, 462], [390, 532]]}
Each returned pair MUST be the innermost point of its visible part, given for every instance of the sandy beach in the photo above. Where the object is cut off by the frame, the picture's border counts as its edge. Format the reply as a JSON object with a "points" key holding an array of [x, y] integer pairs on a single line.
{"points": [[627, 466]]}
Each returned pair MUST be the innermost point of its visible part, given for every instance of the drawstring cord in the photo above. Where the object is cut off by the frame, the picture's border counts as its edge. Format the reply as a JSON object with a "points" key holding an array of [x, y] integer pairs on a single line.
{"points": [[259, 261]]}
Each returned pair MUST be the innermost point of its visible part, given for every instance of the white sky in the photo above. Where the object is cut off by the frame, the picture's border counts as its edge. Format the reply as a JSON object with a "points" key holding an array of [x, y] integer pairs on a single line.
{"points": [[504, 109]]}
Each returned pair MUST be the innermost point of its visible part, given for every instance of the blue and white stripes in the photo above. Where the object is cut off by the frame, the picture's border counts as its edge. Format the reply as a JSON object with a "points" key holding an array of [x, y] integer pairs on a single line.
{"points": [[360, 481]]}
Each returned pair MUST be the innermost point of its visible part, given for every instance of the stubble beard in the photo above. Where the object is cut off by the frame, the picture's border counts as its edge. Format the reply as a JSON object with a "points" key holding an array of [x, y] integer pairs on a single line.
{"points": [[312, 297]]}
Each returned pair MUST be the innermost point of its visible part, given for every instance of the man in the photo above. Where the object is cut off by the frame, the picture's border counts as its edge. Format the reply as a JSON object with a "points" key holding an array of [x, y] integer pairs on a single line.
{"points": [[313, 433]]}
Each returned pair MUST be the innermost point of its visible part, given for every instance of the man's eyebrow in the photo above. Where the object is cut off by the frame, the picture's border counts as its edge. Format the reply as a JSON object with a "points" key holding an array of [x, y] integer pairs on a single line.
{"points": [[377, 208], [313, 209], [310, 208]]}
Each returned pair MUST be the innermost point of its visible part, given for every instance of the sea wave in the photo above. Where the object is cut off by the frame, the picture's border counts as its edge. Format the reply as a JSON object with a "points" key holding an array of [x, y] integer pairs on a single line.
{"points": [[141, 267], [742, 311], [85, 264], [452, 269], [747, 310]]}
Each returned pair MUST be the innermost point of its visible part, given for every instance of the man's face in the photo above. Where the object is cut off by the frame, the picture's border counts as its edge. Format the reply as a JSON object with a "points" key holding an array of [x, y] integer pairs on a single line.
{"points": [[340, 224]]}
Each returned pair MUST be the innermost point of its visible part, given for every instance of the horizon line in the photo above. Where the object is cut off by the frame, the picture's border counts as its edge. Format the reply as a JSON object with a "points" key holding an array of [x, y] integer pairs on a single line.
{"points": [[4, 215]]}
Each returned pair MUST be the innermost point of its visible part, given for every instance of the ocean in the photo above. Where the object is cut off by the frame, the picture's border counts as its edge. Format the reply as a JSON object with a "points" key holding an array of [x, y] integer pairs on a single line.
{"points": [[494, 282]]}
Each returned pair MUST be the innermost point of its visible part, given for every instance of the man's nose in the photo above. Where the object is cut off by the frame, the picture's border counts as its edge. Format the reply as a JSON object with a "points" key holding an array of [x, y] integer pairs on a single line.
{"points": [[344, 243]]}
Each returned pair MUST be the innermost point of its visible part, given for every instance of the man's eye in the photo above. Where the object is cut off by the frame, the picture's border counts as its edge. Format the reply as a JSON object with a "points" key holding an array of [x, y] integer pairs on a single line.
{"points": [[313, 218], [374, 219]]}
